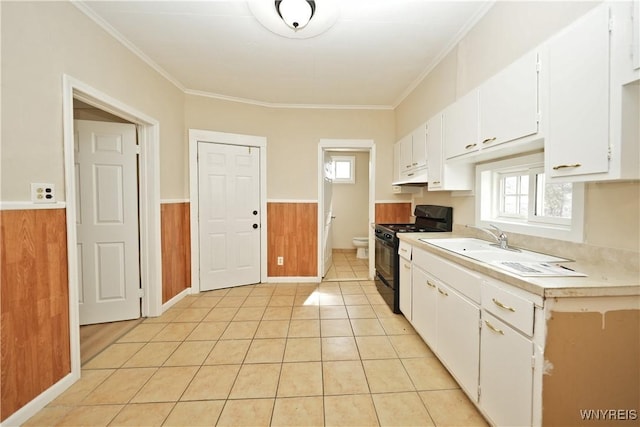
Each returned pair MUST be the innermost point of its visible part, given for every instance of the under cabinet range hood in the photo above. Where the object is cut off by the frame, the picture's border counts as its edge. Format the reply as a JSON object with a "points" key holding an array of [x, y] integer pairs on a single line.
{"points": [[420, 178]]}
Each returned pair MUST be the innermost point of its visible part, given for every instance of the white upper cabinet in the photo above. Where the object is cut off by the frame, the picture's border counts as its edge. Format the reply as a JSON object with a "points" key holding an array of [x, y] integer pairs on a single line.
{"points": [[435, 157], [419, 147], [509, 103], [442, 176], [578, 135], [635, 34], [406, 154], [593, 99], [460, 121], [410, 156], [396, 162], [505, 108]]}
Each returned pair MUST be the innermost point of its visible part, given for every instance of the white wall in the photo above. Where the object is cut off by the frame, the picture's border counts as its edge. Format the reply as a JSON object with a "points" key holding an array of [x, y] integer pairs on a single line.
{"points": [[292, 139]]}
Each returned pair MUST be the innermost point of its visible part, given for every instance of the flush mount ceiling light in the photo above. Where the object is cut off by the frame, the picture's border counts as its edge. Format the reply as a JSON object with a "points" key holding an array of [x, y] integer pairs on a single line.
{"points": [[295, 19], [296, 13]]}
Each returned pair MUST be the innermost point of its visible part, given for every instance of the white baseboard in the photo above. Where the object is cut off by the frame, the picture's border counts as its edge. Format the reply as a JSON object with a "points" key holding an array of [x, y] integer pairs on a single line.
{"points": [[43, 399], [167, 305]]}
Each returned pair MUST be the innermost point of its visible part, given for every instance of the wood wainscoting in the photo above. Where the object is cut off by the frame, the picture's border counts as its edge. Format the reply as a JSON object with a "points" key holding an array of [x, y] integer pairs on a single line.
{"points": [[293, 235], [393, 213], [176, 249], [35, 305]]}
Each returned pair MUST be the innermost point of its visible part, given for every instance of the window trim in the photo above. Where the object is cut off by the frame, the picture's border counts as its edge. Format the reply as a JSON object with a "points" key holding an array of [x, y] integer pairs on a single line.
{"points": [[352, 163], [486, 177]]}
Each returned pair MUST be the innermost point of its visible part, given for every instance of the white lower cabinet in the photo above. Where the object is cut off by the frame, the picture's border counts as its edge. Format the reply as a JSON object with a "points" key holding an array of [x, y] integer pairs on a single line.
{"points": [[405, 288], [447, 318], [482, 332], [459, 337], [424, 310], [405, 291], [506, 373]]}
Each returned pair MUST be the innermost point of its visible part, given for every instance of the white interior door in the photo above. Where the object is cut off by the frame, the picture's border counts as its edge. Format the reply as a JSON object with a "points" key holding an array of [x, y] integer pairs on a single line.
{"points": [[229, 215], [107, 221], [327, 203]]}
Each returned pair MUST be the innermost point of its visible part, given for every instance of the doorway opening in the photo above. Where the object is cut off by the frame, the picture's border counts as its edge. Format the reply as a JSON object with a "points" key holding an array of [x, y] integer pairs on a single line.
{"points": [[346, 210], [150, 274]]}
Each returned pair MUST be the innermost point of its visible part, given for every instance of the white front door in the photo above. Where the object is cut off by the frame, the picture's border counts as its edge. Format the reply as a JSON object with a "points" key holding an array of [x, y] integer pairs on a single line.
{"points": [[229, 215], [106, 176], [327, 203]]}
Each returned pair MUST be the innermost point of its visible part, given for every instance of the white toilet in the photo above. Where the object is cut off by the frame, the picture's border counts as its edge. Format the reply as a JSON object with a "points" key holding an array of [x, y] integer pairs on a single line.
{"points": [[362, 244]]}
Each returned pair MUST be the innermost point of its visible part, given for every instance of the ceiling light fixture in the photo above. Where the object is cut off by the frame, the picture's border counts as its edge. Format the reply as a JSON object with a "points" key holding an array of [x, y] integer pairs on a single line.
{"points": [[272, 14], [296, 13]]}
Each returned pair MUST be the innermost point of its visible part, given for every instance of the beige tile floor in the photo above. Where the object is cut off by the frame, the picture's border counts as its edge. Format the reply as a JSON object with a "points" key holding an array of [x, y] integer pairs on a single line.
{"points": [[345, 266], [329, 354]]}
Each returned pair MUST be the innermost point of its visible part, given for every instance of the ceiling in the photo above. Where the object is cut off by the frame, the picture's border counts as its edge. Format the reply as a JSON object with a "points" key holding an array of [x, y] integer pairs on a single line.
{"points": [[375, 53]]}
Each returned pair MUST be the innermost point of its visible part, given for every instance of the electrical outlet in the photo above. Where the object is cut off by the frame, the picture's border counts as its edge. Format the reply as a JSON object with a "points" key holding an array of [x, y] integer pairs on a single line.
{"points": [[280, 260], [43, 193]]}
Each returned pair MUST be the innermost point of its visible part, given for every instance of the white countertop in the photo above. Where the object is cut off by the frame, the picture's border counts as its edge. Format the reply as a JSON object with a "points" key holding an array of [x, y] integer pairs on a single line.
{"points": [[601, 280]]}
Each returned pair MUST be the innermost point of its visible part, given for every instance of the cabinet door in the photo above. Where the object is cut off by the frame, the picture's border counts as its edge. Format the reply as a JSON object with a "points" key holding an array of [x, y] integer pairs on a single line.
{"points": [[578, 140], [458, 344], [635, 35], [506, 373], [424, 312], [509, 103], [434, 152], [396, 162], [405, 288], [419, 147], [406, 155], [461, 126]]}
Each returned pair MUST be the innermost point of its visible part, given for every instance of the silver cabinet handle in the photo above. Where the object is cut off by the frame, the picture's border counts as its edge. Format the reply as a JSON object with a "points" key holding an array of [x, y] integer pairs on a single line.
{"points": [[431, 285], [470, 146], [443, 292], [488, 140]]}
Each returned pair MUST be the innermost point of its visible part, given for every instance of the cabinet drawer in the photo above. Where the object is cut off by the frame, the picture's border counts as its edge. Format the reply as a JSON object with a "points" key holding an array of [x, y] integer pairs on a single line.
{"points": [[513, 309], [404, 250], [459, 278]]}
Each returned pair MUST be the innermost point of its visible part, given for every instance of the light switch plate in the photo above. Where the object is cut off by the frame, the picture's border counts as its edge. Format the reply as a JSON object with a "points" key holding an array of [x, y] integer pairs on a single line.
{"points": [[43, 193]]}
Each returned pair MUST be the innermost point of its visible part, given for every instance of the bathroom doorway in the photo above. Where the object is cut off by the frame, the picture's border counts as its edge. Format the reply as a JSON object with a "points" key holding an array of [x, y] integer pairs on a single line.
{"points": [[346, 208]]}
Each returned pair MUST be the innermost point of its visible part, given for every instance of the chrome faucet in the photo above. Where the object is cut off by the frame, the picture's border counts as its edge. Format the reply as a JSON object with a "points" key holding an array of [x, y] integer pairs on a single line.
{"points": [[500, 237]]}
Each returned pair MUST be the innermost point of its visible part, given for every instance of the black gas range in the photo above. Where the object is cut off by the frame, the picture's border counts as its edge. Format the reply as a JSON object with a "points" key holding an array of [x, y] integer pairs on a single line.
{"points": [[429, 219]]}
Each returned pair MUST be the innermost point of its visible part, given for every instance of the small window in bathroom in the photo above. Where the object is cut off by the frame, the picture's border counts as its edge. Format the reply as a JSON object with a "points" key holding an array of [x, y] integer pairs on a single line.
{"points": [[344, 169]]}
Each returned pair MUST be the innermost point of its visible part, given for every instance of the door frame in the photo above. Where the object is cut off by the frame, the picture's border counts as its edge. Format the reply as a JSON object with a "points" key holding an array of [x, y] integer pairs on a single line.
{"points": [[214, 137], [367, 145], [148, 199]]}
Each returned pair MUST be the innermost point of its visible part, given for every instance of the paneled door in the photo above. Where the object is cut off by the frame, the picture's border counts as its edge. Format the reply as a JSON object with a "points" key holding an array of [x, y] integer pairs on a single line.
{"points": [[107, 221], [229, 215], [327, 205]]}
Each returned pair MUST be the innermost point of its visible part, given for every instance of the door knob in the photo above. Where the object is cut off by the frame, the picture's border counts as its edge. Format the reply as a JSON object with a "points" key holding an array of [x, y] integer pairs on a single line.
{"points": [[255, 225]]}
